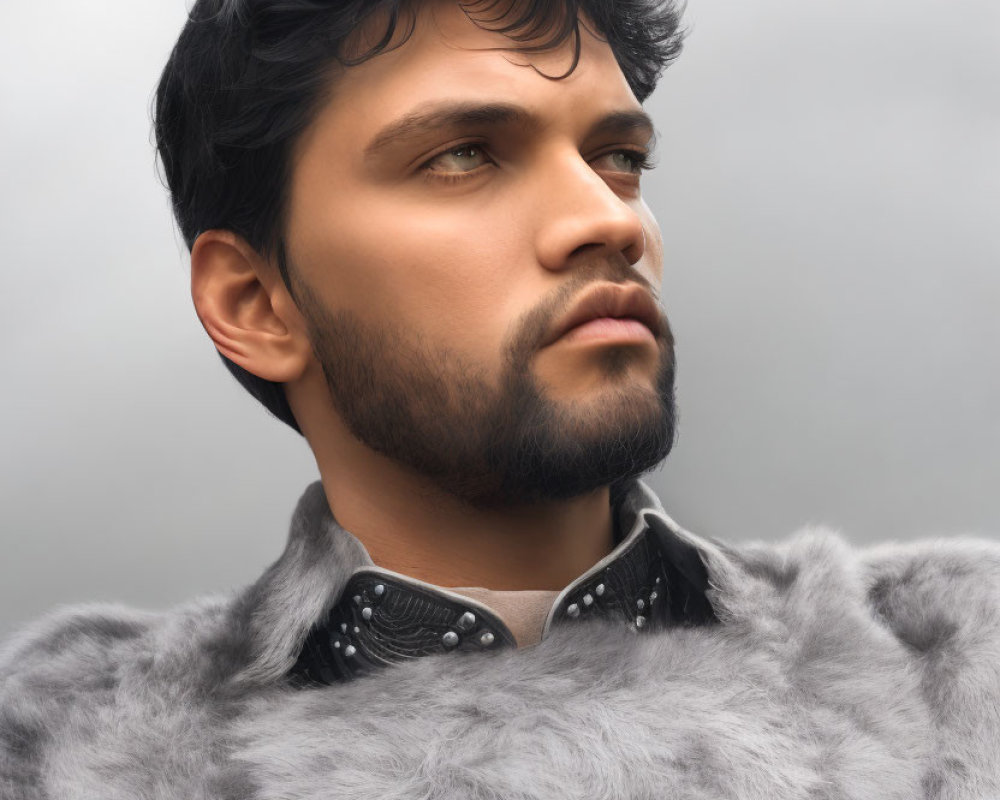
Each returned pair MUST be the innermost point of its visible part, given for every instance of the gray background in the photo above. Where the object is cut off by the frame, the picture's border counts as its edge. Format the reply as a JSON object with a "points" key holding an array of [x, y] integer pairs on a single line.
{"points": [[828, 189]]}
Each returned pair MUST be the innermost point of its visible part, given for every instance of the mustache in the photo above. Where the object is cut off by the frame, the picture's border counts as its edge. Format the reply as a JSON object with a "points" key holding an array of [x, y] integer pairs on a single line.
{"points": [[533, 326]]}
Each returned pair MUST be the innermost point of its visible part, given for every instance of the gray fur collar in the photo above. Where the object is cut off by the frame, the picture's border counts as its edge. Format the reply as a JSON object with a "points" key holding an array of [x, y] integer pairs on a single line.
{"points": [[321, 556], [835, 673]]}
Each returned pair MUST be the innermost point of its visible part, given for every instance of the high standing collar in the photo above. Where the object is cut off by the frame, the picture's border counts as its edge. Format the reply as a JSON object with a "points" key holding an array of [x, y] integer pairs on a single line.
{"points": [[324, 612]]}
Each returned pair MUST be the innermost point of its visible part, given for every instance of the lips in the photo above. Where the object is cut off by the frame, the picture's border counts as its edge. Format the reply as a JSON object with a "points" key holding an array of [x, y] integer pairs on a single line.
{"points": [[618, 301]]}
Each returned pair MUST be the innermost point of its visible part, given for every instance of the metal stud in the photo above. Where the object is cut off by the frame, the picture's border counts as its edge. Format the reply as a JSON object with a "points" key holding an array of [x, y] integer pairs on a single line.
{"points": [[599, 590], [337, 644], [659, 580], [466, 621], [366, 612], [379, 589], [640, 604], [652, 597], [573, 610], [357, 629], [343, 627], [640, 621], [450, 639], [350, 650], [486, 638], [357, 599], [588, 600]]}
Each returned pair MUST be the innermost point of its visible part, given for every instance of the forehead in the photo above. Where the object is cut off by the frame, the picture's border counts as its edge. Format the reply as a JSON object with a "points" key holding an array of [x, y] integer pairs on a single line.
{"points": [[450, 57]]}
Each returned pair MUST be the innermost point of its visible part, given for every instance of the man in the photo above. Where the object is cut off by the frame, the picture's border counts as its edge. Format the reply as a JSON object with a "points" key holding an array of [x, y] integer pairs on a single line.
{"points": [[417, 236]]}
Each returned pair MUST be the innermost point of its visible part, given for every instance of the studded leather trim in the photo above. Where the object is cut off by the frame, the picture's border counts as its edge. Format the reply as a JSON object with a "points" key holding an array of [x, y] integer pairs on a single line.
{"points": [[650, 581], [383, 618], [631, 588]]}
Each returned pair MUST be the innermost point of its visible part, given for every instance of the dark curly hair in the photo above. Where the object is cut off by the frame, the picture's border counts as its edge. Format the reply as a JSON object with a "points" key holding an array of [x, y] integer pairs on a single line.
{"points": [[246, 77]]}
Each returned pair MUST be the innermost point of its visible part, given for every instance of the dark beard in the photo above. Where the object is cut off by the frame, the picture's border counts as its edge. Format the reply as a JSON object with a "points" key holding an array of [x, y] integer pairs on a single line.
{"points": [[487, 445]]}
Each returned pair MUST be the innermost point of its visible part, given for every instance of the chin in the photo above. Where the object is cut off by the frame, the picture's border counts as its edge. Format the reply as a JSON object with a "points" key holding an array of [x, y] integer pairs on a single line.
{"points": [[612, 374]]}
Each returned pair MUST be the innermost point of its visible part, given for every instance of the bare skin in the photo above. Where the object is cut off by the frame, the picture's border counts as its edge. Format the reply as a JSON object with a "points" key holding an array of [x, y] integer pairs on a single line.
{"points": [[457, 264]]}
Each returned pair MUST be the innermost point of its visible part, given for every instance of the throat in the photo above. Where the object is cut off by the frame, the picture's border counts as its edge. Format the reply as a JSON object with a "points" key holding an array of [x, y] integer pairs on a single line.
{"points": [[520, 553], [440, 541]]}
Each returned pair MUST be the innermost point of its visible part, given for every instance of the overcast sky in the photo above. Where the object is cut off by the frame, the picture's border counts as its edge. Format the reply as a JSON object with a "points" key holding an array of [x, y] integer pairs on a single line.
{"points": [[828, 188]]}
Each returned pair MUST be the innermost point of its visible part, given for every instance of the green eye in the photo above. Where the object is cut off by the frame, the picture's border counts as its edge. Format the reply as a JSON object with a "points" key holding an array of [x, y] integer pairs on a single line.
{"points": [[634, 161], [463, 158]]}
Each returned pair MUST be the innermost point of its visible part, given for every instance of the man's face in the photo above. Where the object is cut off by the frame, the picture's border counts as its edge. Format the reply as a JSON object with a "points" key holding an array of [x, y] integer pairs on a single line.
{"points": [[433, 267]]}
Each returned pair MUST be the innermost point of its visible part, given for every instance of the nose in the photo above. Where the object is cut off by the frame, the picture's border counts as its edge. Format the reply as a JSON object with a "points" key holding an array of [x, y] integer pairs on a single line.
{"points": [[581, 212]]}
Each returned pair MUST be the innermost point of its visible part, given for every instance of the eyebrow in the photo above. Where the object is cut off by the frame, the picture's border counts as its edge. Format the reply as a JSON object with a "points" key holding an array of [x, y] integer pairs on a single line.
{"points": [[439, 116]]}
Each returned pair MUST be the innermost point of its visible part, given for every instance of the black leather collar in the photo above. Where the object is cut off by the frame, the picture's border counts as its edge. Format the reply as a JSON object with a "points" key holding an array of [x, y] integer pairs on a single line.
{"points": [[651, 580]]}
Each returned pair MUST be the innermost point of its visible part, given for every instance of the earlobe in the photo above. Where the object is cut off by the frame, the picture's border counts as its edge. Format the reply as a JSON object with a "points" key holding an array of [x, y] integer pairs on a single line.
{"points": [[245, 308]]}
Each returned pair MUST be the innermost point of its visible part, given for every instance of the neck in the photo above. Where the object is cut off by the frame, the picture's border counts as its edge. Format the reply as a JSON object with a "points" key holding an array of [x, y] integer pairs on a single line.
{"points": [[410, 526]]}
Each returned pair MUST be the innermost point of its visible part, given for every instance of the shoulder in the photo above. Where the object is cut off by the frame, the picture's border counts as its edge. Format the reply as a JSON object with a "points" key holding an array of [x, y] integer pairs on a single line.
{"points": [[925, 611], [935, 593], [66, 663], [71, 633], [941, 601], [73, 676], [77, 641], [920, 590]]}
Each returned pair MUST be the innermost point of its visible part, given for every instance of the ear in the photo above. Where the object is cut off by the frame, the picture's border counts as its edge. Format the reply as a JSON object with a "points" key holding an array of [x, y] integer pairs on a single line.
{"points": [[245, 308]]}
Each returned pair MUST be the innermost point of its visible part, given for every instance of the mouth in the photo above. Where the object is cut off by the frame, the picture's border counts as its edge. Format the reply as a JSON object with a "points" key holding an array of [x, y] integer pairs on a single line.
{"points": [[609, 311]]}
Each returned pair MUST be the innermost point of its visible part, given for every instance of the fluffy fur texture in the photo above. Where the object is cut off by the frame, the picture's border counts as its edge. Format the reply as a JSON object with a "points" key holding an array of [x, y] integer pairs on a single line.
{"points": [[835, 673]]}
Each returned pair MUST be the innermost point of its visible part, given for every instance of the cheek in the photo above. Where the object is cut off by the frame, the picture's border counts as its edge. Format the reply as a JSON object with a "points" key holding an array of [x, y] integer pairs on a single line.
{"points": [[440, 271], [656, 254], [651, 265]]}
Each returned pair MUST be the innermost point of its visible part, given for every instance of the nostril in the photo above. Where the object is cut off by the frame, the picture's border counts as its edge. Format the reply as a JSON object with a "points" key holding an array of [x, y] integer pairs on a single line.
{"points": [[634, 251], [586, 248]]}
